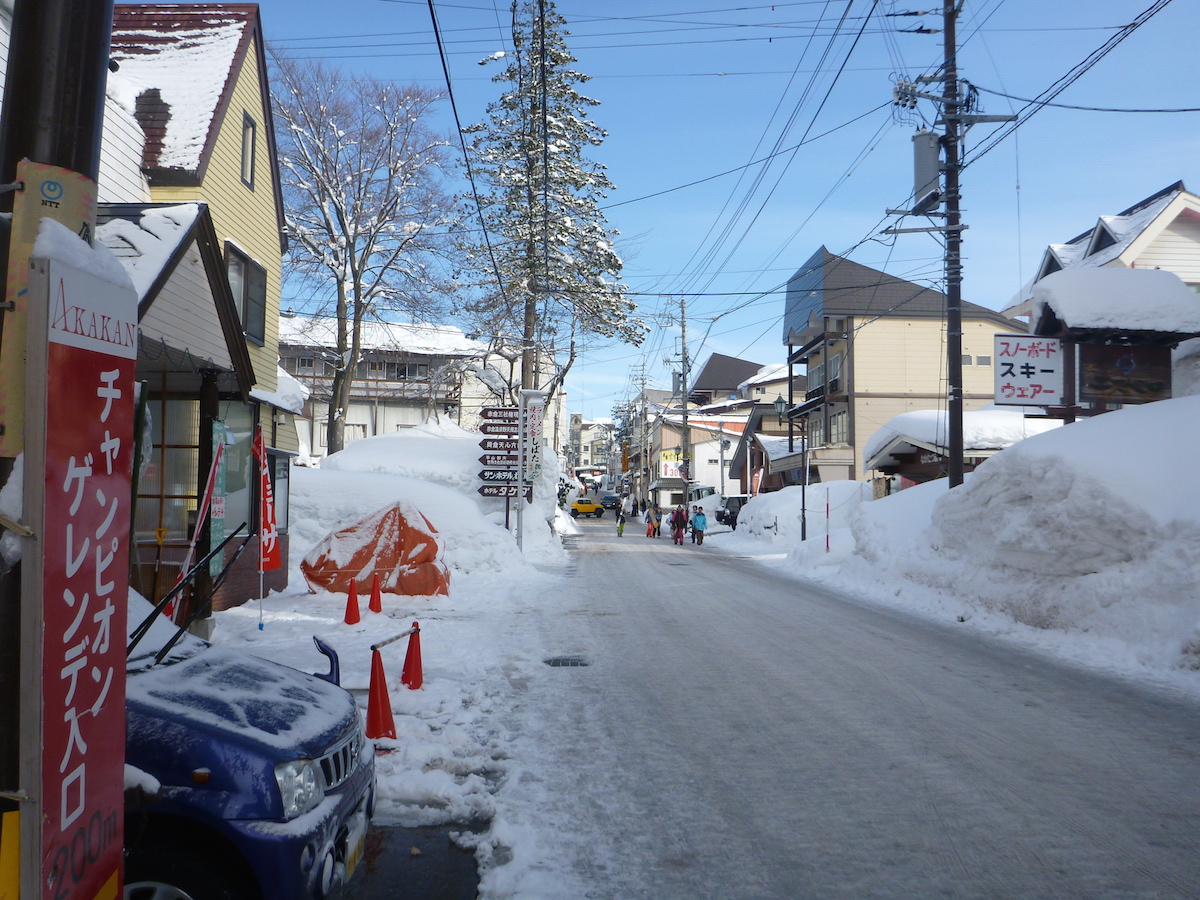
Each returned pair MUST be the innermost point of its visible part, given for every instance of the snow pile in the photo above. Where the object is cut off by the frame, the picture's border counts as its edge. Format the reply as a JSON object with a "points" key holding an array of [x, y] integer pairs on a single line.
{"points": [[776, 516], [1088, 535], [436, 466]]}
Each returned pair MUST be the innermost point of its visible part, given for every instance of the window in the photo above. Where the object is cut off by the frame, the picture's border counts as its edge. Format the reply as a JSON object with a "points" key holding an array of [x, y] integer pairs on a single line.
{"points": [[983, 360], [838, 431], [249, 138], [248, 282], [407, 371], [303, 365], [966, 359]]}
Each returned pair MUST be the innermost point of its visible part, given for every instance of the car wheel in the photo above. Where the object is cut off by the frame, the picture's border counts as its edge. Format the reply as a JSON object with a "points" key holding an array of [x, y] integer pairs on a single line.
{"points": [[172, 875], [599, 513], [574, 514]]}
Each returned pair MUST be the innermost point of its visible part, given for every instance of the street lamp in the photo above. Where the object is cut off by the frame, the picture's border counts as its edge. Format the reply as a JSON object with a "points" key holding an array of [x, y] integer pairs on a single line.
{"points": [[780, 407]]}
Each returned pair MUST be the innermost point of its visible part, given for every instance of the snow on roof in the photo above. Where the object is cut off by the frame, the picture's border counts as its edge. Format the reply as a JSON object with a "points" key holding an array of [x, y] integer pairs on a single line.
{"points": [[1111, 297], [57, 242], [777, 447], [419, 338], [983, 429], [289, 393], [773, 372], [187, 54], [1125, 229], [144, 247]]}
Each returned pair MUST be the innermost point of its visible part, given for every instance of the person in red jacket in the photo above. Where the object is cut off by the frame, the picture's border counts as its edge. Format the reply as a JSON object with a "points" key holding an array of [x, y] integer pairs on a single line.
{"points": [[678, 522]]}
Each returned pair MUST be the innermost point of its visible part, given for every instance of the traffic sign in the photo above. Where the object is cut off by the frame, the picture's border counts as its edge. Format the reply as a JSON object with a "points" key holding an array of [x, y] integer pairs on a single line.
{"points": [[498, 476], [500, 413], [499, 490], [499, 460], [500, 445], [500, 427]]}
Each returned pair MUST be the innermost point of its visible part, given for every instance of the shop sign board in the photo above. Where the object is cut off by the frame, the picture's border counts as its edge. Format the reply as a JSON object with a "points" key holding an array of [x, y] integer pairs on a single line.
{"points": [[1029, 370], [82, 352]]}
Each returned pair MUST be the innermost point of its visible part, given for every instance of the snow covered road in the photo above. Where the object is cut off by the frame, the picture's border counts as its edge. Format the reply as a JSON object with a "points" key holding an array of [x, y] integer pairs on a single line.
{"points": [[739, 734]]}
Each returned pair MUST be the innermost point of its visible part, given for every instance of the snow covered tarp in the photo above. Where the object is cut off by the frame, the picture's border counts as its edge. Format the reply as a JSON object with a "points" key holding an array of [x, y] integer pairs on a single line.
{"points": [[397, 543]]}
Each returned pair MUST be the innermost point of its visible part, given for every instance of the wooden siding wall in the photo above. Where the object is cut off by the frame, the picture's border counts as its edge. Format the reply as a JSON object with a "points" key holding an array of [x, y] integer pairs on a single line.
{"points": [[241, 215], [1176, 249], [180, 321]]}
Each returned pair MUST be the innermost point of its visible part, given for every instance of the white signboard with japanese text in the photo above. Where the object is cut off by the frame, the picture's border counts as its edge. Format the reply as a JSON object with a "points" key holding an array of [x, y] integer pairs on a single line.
{"points": [[1029, 370]]}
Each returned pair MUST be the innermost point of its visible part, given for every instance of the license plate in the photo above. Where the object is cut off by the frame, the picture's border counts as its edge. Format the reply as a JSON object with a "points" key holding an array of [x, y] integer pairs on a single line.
{"points": [[356, 840]]}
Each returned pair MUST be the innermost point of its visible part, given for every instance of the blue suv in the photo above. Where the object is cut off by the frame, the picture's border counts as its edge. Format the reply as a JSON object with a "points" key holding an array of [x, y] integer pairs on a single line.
{"points": [[262, 782]]}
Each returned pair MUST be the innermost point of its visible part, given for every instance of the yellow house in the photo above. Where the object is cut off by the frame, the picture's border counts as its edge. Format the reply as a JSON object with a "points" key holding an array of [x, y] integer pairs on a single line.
{"points": [[191, 85], [875, 347]]}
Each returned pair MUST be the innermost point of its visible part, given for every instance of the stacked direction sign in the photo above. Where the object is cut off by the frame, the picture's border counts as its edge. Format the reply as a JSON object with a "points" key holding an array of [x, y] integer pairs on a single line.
{"points": [[500, 444]]}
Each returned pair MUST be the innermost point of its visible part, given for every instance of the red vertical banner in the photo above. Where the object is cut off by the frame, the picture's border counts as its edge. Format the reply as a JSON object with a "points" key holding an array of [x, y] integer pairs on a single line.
{"points": [[84, 419], [269, 556]]}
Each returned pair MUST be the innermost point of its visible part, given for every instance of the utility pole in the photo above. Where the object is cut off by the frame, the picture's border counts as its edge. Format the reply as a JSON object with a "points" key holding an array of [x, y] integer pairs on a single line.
{"points": [[683, 390], [953, 262], [956, 118]]}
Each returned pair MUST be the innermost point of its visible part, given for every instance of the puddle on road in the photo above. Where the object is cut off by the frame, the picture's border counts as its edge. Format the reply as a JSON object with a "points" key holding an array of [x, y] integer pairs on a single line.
{"points": [[414, 864]]}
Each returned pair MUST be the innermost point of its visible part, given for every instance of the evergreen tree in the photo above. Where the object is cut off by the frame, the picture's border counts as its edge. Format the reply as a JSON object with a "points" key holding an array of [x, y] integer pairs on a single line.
{"points": [[539, 199]]}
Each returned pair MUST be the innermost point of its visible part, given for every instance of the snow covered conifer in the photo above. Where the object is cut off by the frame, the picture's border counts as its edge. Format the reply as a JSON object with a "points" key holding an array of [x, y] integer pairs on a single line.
{"points": [[539, 196]]}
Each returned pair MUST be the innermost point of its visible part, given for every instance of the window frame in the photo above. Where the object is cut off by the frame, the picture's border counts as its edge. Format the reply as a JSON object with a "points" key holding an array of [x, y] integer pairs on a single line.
{"points": [[252, 309], [250, 137]]}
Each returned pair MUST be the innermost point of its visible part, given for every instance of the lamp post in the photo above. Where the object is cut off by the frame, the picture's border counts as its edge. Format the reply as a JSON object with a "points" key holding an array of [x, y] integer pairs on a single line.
{"points": [[780, 407]]}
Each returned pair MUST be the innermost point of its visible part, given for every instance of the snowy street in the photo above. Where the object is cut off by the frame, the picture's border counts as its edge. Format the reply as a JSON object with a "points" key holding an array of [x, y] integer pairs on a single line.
{"points": [[740, 734]]}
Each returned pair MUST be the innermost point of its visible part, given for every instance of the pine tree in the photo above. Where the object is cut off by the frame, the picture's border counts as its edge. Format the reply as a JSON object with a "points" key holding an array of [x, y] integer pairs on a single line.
{"points": [[539, 199], [366, 211]]}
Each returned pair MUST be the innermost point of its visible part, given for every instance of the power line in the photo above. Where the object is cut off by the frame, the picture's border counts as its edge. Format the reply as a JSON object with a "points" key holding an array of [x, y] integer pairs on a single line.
{"points": [[1107, 109]]}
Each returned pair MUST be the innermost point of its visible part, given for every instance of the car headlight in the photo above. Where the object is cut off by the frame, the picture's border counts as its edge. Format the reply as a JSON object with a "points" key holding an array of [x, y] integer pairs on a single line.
{"points": [[299, 786]]}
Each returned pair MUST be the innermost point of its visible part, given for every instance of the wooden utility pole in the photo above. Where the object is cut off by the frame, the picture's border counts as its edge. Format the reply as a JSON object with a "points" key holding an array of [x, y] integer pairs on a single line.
{"points": [[953, 261]]}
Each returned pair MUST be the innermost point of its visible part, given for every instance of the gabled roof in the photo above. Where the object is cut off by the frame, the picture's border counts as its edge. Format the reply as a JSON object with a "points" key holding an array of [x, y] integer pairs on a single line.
{"points": [[1114, 239], [151, 239], [178, 67], [722, 372], [985, 432], [831, 285]]}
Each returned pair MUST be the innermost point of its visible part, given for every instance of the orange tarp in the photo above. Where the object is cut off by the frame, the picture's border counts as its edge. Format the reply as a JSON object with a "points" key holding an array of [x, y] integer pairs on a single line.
{"points": [[397, 542]]}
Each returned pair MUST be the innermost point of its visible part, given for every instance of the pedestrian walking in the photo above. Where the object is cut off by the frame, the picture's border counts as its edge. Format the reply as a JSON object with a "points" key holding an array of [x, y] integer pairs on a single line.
{"points": [[620, 523], [678, 523], [692, 522], [651, 523], [699, 525]]}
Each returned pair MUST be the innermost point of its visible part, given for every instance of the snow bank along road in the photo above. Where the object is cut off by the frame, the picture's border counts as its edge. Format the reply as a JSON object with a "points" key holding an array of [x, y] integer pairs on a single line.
{"points": [[736, 734]]}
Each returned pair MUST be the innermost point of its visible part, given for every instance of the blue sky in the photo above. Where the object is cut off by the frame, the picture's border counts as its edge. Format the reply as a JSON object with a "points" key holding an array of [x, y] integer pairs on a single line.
{"points": [[692, 89]]}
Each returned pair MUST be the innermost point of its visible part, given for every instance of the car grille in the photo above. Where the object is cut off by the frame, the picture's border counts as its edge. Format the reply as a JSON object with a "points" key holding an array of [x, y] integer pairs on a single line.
{"points": [[339, 764]]}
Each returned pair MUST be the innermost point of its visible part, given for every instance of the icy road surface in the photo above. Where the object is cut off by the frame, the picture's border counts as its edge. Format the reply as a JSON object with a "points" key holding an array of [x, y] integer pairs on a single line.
{"points": [[739, 735]]}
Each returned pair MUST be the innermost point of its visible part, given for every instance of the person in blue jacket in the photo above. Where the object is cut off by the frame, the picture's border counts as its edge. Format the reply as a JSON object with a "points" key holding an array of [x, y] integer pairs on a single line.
{"points": [[699, 524]]}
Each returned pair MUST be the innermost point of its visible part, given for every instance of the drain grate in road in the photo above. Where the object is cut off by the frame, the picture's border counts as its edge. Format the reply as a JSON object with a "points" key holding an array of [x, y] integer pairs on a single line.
{"points": [[561, 662]]}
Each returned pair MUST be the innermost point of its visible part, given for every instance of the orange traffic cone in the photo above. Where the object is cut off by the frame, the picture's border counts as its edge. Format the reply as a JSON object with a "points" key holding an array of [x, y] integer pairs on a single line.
{"points": [[376, 604], [380, 723], [352, 616], [412, 675]]}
